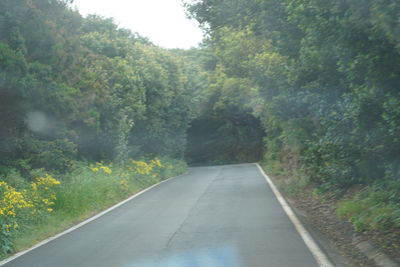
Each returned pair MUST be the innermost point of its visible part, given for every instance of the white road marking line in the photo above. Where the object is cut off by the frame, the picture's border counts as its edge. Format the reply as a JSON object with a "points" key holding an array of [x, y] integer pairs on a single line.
{"points": [[319, 256], [19, 254]]}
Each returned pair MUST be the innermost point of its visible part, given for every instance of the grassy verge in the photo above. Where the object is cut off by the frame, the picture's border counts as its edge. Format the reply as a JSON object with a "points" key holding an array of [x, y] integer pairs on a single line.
{"points": [[371, 210], [374, 210], [56, 204]]}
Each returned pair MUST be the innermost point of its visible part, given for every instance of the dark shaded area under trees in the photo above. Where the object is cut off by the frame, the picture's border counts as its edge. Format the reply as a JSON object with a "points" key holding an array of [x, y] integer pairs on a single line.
{"points": [[217, 140]]}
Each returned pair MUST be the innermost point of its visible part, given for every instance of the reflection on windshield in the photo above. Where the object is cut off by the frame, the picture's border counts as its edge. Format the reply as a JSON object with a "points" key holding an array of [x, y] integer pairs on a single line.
{"points": [[218, 256]]}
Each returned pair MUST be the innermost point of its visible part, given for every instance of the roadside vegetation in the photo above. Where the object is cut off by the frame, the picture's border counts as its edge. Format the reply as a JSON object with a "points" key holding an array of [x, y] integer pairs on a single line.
{"points": [[322, 78], [31, 211]]}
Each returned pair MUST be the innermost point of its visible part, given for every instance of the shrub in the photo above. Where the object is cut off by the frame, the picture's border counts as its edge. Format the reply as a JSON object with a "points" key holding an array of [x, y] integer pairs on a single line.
{"points": [[22, 206], [371, 210]]}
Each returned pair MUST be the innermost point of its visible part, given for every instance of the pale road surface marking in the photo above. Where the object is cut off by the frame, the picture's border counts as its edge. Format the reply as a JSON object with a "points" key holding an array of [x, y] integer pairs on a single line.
{"points": [[321, 258]]}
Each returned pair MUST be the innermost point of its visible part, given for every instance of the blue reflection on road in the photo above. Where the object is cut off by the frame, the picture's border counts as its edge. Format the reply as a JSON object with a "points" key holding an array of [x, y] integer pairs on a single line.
{"points": [[211, 257]]}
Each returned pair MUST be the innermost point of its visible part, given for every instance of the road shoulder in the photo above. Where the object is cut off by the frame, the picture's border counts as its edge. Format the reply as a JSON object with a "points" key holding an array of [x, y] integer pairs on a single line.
{"points": [[318, 254], [335, 236]]}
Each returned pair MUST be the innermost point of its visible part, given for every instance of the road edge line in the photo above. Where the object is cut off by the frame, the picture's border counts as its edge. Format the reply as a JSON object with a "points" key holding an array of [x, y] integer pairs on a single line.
{"points": [[98, 215], [317, 253]]}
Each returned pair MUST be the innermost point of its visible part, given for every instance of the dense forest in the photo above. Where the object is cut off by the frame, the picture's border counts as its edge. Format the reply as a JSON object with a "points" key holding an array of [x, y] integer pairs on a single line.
{"points": [[75, 87], [309, 86]]}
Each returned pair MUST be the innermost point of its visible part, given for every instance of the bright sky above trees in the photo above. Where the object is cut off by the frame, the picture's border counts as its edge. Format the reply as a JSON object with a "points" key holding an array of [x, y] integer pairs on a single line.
{"points": [[162, 21]]}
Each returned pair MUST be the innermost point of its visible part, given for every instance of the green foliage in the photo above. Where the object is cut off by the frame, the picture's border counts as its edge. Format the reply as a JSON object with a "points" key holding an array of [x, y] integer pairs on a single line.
{"points": [[13, 70], [162, 129], [328, 89], [374, 210], [74, 87], [224, 130], [55, 155]]}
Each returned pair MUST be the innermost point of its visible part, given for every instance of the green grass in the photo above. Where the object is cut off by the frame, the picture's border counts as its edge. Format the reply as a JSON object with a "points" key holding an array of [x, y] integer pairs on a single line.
{"points": [[288, 181], [371, 210]]}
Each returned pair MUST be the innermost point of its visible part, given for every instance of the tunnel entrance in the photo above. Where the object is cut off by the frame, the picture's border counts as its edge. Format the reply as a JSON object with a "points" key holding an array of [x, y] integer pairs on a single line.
{"points": [[224, 140]]}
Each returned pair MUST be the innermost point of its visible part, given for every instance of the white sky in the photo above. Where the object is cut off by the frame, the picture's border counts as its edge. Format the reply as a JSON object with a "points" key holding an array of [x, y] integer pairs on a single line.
{"points": [[162, 21]]}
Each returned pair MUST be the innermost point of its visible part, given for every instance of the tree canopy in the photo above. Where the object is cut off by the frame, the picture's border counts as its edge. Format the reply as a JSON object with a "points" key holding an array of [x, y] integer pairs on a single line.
{"points": [[323, 79], [74, 87]]}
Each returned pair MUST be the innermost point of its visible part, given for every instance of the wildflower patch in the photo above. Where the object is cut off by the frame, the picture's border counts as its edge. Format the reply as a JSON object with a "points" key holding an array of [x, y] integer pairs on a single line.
{"points": [[25, 205]]}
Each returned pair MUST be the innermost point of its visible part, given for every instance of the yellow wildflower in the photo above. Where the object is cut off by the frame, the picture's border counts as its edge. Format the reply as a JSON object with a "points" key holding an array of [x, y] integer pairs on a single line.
{"points": [[47, 202], [11, 212], [34, 186], [156, 162], [46, 181], [106, 169], [142, 167], [124, 184]]}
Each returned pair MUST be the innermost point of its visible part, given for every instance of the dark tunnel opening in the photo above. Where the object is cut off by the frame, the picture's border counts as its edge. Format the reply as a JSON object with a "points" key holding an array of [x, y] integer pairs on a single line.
{"points": [[224, 140]]}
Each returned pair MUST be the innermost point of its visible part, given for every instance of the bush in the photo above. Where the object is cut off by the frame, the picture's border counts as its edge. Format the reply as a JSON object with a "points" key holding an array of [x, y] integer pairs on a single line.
{"points": [[24, 206], [51, 155], [372, 210]]}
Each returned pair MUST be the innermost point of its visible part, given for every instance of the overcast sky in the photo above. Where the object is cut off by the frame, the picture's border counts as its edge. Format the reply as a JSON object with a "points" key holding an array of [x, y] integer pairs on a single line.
{"points": [[162, 21]]}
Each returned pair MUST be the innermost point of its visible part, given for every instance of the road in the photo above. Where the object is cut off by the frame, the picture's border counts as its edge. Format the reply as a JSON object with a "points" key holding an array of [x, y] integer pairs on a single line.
{"points": [[214, 216]]}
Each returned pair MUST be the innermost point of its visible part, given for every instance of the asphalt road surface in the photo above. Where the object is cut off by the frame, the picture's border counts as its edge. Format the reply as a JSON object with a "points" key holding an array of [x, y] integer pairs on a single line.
{"points": [[214, 216]]}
